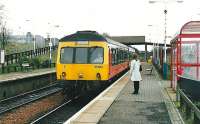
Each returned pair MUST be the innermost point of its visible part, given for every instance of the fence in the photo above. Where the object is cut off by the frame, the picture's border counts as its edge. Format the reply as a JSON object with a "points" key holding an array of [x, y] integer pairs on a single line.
{"points": [[188, 95], [15, 57]]}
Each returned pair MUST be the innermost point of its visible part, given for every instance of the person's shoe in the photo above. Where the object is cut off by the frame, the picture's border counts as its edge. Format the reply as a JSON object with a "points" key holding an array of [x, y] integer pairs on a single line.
{"points": [[134, 93]]}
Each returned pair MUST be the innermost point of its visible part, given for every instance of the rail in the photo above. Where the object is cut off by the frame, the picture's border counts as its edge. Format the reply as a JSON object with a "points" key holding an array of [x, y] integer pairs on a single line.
{"points": [[16, 102], [189, 110]]}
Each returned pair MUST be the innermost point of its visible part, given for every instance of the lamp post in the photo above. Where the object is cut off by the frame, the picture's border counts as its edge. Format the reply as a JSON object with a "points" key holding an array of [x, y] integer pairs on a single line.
{"points": [[150, 37], [165, 49], [165, 35], [50, 45], [56, 27], [34, 39], [50, 50]]}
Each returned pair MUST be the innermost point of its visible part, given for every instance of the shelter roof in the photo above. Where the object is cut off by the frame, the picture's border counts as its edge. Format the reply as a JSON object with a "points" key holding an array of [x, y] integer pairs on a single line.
{"points": [[192, 27], [129, 40]]}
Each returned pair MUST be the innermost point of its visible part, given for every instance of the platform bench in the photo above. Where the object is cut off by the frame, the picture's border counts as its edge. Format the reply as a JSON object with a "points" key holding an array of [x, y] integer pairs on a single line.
{"points": [[26, 66]]}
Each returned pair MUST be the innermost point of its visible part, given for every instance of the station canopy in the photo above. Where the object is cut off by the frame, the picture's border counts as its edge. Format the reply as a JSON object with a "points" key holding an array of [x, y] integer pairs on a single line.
{"points": [[130, 40], [192, 27]]}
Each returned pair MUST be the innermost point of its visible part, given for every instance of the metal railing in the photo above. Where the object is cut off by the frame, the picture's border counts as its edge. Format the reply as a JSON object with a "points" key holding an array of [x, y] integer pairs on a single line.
{"points": [[14, 58], [188, 95], [189, 111]]}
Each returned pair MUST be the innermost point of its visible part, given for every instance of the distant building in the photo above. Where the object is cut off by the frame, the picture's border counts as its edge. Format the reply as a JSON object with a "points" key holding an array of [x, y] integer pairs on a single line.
{"points": [[29, 37], [53, 40], [40, 41], [17, 38]]}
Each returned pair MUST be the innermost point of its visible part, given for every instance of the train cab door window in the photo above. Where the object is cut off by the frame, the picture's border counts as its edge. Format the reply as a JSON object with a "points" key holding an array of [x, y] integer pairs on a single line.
{"points": [[66, 55], [113, 56], [81, 55], [96, 55]]}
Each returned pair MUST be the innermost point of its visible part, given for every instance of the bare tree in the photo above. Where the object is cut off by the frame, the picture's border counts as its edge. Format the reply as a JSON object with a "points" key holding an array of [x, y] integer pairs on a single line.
{"points": [[3, 30], [106, 34]]}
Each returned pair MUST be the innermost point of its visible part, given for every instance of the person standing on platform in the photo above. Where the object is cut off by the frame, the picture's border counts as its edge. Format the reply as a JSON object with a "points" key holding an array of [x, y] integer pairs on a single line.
{"points": [[135, 69]]}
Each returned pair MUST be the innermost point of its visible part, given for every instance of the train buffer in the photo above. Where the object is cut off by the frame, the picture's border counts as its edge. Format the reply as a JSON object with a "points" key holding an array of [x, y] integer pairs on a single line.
{"points": [[118, 105]]}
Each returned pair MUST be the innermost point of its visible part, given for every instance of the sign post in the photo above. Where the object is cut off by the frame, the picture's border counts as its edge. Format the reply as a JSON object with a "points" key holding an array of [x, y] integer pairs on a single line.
{"points": [[50, 45], [2, 58]]}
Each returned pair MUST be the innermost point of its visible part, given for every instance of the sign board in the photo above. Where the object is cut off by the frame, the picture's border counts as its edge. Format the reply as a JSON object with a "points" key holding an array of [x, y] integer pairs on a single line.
{"points": [[82, 43], [50, 44], [2, 56]]}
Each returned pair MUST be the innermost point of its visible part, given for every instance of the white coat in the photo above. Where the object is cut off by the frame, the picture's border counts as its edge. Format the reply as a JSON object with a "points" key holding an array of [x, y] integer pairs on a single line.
{"points": [[135, 70]]}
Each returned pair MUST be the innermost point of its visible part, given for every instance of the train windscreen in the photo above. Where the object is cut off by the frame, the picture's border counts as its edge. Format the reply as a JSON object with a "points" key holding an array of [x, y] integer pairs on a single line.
{"points": [[96, 55], [81, 55], [66, 55]]}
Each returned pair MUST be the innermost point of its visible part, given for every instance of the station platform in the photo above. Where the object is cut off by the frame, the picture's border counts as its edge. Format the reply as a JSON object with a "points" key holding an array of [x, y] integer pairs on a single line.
{"points": [[20, 75], [117, 105]]}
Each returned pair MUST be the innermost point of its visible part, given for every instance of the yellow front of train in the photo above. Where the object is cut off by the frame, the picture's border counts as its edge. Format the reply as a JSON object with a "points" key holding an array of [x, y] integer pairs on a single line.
{"points": [[82, 59]]}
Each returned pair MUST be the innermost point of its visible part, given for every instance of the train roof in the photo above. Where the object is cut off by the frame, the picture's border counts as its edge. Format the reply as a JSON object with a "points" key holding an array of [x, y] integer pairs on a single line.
{"points": [[89, 36], [83, 36]]}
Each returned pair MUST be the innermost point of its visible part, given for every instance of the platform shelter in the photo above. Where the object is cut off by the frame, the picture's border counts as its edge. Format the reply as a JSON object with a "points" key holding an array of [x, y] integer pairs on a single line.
{"points": [[185, 54]]}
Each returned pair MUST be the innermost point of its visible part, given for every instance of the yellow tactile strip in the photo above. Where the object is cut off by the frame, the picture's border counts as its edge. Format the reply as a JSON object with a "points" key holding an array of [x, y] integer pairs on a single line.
{"points": [[96, 108]]}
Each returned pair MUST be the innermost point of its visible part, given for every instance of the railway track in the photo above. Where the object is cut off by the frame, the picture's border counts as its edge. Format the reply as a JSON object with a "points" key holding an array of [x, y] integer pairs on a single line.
{"points": [[63, 112], [66, 110], [12, 103]]}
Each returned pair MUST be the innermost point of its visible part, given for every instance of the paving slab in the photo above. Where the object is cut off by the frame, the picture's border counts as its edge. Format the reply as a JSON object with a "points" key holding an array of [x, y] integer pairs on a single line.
{"points": [[148, 107], [20, 75], [117, 105]]}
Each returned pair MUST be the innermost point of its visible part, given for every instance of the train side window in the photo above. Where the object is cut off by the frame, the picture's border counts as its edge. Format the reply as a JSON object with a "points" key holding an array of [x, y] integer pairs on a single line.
{"points": [[117, 57], [113, 56]]}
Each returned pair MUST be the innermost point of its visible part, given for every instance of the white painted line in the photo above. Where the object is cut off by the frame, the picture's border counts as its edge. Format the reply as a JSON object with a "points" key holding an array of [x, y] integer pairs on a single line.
{"points": [[93, 101]]}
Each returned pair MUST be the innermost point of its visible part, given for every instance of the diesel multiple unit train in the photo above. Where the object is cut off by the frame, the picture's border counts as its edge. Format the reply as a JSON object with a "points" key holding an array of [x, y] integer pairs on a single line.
{"points": [[89, 56]]}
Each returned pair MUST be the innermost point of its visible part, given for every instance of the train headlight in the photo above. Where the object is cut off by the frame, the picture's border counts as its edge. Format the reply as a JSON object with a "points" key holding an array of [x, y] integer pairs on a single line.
{"points": [[98, 76], [80, 76], [63, 75]]}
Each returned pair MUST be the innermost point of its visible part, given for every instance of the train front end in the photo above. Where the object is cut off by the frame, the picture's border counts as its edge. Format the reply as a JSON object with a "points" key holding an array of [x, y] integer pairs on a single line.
{"points": [[82, 56]]}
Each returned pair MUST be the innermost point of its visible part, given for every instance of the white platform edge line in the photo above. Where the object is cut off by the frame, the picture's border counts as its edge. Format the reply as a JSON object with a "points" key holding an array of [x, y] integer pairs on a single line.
{"points": [[93, 101]]}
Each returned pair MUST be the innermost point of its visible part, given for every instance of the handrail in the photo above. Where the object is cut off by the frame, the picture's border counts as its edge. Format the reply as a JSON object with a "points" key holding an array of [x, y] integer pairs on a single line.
{"points": [[186, 77], [190, 103], [189, 108]]}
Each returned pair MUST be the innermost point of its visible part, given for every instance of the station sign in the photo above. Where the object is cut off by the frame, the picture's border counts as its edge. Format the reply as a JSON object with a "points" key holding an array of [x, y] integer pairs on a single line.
{"points": [[50, 44], [82, 43]]}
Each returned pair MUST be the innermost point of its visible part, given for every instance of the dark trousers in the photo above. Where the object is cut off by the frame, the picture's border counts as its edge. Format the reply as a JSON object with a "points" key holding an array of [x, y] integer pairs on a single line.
{"points": [[136, 86]]}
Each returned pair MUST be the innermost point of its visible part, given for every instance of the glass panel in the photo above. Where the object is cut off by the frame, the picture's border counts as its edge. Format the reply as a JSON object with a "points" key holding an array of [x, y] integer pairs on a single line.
{"points": [[81, 55], [113, 56], [66, 55], [199, 52], [199, 74], [189, 53], [190, 72], [96, 55]]}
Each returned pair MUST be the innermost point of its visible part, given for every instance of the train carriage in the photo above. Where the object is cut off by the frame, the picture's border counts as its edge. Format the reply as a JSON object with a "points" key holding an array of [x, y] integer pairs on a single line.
{"points": [[87, 55]]}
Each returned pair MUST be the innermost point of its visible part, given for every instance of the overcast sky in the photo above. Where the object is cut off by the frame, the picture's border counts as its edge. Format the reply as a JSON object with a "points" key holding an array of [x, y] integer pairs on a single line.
{"points": [[115, 17]]}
